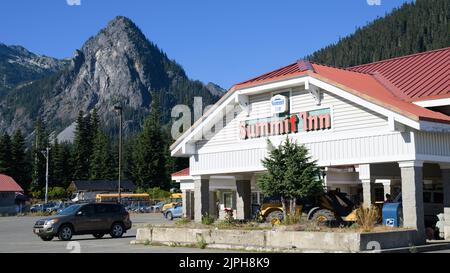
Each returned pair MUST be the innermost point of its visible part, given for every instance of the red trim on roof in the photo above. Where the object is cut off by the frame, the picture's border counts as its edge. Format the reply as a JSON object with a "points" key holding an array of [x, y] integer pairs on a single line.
{"points": [[418, 76], [7, 184], [184, 172], [393, 83]]}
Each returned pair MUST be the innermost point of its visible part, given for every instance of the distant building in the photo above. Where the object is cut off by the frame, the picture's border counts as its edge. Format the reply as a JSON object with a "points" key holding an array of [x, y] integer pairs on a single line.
{"points": [[86, 190], [8, 190]]}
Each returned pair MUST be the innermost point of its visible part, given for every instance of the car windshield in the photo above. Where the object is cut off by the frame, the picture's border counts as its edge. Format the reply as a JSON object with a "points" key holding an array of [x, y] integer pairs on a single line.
{"points": [[69, 210]]}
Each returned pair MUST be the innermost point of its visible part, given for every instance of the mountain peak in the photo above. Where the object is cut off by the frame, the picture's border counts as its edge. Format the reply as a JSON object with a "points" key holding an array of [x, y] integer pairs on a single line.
{"points": [[121, 23]]}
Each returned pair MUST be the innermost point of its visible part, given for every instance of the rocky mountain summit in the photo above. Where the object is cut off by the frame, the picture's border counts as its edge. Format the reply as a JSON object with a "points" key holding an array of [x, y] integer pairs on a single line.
{"points": [[119, 65]]}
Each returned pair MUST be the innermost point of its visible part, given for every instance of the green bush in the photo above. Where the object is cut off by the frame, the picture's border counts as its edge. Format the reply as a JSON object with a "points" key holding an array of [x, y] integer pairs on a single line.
{"points": [[57, 193], [156, 193], [182, 221], [207, 219], [37, 194]]}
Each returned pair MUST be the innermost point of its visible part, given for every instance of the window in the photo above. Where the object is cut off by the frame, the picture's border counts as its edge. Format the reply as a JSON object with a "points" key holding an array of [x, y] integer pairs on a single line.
{"points": [[88, 210], [228, 200]]}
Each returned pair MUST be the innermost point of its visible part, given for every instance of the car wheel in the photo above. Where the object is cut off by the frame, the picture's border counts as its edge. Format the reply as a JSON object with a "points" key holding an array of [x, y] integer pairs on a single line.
{"points": [[116, 230], [46, 238], [98, 235], [169, 216], [65, 233]]}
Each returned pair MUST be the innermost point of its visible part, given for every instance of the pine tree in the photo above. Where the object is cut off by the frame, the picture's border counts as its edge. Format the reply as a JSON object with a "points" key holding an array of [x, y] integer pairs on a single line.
{"points": [[101, 165], [291, 174], [57, 173], [21, 166], [6, 163], [149, 153], [81, 152]]}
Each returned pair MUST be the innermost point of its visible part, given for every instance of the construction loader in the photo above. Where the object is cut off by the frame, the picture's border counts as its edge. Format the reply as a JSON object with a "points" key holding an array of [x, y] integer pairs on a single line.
{"points": [[330, 207]]}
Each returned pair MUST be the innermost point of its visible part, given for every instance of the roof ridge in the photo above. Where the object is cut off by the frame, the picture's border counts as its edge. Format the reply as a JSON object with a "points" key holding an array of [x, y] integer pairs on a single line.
{"points": [[398, 58], [260, 76], [341, 68]]}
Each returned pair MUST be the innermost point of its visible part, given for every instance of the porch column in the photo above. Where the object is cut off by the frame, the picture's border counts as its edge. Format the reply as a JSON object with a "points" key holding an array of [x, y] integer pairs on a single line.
{"points": [[386, 186], [368, 192], [412, 196], [201, 198], [186, 203], [367, 184], [445, 172], [243, 199]]}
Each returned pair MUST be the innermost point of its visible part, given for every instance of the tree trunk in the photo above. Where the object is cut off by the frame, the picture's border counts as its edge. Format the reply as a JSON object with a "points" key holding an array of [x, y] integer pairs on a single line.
{"points": [[290, 207], [294, 211], [283, 203]]}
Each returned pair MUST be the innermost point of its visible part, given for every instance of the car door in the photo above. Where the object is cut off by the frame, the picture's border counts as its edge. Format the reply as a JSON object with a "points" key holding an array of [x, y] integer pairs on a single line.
{"points": [[178, 211], [105, 213], [86, 219]]}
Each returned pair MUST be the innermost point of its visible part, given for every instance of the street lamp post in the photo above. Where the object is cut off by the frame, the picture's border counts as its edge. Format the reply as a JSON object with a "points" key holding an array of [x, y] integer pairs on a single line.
{"points": [[119, 110], [46, 155]]}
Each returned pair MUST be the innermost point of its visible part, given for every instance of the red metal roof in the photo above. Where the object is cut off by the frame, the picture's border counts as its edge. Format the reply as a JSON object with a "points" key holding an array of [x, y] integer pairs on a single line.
{"points": [[7, 184], [393, 83], [420, 76], [184, 172]]}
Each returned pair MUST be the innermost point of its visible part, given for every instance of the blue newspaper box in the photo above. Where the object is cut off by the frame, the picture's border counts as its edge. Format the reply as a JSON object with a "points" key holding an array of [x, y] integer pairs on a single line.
{"points": [[392, 214]]}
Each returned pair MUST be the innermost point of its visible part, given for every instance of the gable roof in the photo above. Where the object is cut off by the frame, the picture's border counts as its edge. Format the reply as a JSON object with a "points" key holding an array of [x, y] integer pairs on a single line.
{"points": [[369, 84], [416, 77], [8, 184], [101, 185], [184, 172]]}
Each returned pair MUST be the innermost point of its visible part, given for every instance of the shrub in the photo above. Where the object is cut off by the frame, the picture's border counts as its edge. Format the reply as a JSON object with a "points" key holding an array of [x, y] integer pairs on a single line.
{"points": [[183, 221], [201, 242], [367, 218], [37, 194], [155, 193], [57, 192], [229, 216], [291, 220], [207, 219]]}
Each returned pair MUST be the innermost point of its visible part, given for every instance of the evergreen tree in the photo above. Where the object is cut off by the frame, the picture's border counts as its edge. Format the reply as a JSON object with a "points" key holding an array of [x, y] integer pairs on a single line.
{"points": [[149, 153], [82, 149], [415, 27], [291, 174], [101, 165], [6, 163], [57, 171], [21, 166]]}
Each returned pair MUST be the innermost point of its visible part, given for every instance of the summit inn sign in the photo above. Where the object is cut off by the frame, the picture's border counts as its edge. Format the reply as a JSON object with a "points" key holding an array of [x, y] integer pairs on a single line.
{"points": [[307, 121]]}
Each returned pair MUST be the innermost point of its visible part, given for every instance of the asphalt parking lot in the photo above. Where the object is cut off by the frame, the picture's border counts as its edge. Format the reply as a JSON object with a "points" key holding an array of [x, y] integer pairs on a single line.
{"points": [[16, 236]]}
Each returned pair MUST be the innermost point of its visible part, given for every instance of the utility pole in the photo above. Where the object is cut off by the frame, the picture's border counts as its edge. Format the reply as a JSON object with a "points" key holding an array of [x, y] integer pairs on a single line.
{"points": [[119, 110], [46, 155]]}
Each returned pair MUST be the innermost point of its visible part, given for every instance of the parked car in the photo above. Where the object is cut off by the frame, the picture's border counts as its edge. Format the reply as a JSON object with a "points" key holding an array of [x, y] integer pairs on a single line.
{"points": [[157, 207], [41, 207], [175, 212], [96, 219]]}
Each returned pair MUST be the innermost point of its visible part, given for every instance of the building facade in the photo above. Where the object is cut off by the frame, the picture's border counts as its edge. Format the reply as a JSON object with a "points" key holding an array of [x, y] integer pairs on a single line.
{"points": [[375, 129], [8, 190]]}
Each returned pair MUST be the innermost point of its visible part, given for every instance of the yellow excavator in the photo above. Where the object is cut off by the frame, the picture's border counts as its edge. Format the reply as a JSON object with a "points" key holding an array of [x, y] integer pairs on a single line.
{"points": [[332, 206]]}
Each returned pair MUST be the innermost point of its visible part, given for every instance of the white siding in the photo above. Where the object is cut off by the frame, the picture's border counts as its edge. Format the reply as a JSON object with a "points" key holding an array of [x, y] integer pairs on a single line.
{"points": [[346, 114], [356, 149], [433, 145]]}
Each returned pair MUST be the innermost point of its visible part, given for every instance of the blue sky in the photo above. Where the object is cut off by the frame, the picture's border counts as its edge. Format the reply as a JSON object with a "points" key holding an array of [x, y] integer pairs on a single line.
{"points": [[219, 41]]}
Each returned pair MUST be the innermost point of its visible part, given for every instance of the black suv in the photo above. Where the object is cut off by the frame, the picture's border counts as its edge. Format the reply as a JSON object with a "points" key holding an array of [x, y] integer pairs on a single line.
{"points": [[97, 219]]}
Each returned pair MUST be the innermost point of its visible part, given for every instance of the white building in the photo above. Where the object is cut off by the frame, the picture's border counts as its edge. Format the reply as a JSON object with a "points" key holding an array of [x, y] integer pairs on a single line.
{"points": [[376, 128]]}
